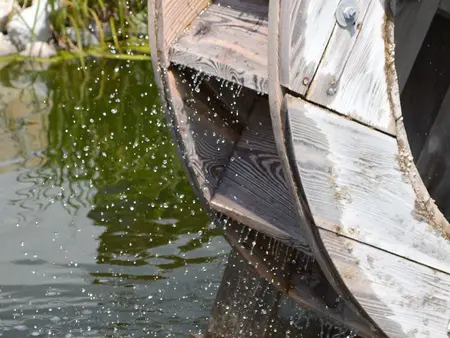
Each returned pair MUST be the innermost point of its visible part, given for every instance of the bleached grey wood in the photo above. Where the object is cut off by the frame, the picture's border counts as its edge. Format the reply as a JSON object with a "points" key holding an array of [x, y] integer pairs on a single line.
{"points": [[305, 28], [354, 185], [412, 21], [335, 58], [404, 298], [360, 89], [229, 42]]}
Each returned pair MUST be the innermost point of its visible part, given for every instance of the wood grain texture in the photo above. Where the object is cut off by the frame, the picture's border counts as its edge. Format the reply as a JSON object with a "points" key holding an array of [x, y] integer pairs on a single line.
{"points": [[434, 160], [412, 21], [360, 90], [177, 15], [207, 129], [305, 28], [253, 189], [404, 298], [171, 107], [335, 59], [229, 42], [295, 274], [354, 185]]}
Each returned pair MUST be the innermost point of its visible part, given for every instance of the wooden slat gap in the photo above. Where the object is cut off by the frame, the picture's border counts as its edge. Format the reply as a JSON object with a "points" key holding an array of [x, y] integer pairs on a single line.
{"points": [[321, 59], [381, 249], [332, 111], [336, 26]]}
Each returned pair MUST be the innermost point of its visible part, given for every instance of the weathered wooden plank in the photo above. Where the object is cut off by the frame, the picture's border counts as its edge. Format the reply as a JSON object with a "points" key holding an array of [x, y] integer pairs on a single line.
{"points": [[207, 128], [168, 18], [354, 185], [295, 274], [412, 21], [253, 189], [404, 298], [335, 59], [360, 89], [229, 42], [434, 160], [305, 28]]}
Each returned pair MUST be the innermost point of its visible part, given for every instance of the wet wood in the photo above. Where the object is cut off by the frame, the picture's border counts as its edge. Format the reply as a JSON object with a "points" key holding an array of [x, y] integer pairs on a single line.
{"points": [[357, 85], [404, 298], [208, 129], [434, 160], [228, 41], [245, 303], [296, 275], [305, 28], [354, 185], [253, 189], [168, 18], [412, 20]]}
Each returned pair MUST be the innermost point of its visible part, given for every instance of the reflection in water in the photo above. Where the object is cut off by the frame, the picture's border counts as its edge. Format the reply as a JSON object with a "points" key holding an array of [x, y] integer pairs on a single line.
{"points": [[100, 233]]}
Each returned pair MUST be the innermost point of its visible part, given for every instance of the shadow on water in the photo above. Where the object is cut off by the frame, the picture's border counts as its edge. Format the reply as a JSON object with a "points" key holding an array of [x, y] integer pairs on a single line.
{"points": [[100, 232]]}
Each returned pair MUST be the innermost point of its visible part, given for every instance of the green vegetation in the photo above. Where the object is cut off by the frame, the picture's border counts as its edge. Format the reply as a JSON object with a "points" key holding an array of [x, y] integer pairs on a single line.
{"points": [[119, 28], [110, 148], [112, 20]]}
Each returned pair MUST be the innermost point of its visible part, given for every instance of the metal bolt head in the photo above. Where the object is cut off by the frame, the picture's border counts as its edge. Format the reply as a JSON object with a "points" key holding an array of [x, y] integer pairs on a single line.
{"points": [[349, 14], [332, 89]]}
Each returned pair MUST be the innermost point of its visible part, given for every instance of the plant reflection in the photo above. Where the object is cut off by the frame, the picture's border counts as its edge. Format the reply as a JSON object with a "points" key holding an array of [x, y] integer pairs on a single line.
{"points": [[103, 145]]}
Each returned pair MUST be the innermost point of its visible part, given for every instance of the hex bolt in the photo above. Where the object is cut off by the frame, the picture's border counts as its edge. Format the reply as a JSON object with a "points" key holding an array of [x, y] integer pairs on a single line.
{"points": [[349, 14]]}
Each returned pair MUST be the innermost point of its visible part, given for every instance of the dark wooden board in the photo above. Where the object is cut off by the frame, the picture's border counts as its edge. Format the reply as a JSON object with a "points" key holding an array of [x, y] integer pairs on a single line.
{"points": [[228, 41], [253, 189], [209, 128]]}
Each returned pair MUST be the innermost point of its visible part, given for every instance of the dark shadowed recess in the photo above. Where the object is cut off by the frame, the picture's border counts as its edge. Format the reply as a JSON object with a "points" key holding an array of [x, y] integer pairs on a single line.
{"points": [[425, 101]]}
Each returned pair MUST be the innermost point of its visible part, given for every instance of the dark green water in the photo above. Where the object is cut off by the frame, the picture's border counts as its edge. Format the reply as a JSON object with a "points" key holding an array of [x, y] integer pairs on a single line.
{"points": [[100, 233]]}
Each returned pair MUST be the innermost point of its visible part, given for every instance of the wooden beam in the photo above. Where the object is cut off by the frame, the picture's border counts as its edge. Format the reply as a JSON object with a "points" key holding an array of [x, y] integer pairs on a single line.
{"points": [[253, 189], [412, 21], [296, 275], [404, 298], [228, 41], [355, 185], [351, 78], [305, 28], [364, 207]]}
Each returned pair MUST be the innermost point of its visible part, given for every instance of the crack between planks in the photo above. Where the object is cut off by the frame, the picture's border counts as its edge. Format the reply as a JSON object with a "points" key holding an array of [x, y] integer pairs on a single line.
{"points": [[383, 250]]}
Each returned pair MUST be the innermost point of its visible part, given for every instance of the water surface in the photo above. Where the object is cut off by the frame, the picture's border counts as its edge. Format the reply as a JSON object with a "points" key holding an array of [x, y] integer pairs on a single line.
{"points": [[100, 233]]}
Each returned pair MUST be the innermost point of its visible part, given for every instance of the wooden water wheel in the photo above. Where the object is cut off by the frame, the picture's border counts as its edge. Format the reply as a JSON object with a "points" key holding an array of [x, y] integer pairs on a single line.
{"points": [[288, 117]]}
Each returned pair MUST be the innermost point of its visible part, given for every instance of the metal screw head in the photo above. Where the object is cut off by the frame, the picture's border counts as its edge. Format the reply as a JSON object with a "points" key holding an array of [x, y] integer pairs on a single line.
{"points": [[332, 89], [347, 13]]}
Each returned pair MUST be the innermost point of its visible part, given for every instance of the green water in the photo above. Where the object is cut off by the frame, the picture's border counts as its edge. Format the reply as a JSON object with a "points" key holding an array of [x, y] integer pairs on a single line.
{"points": [[100, 233]]}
